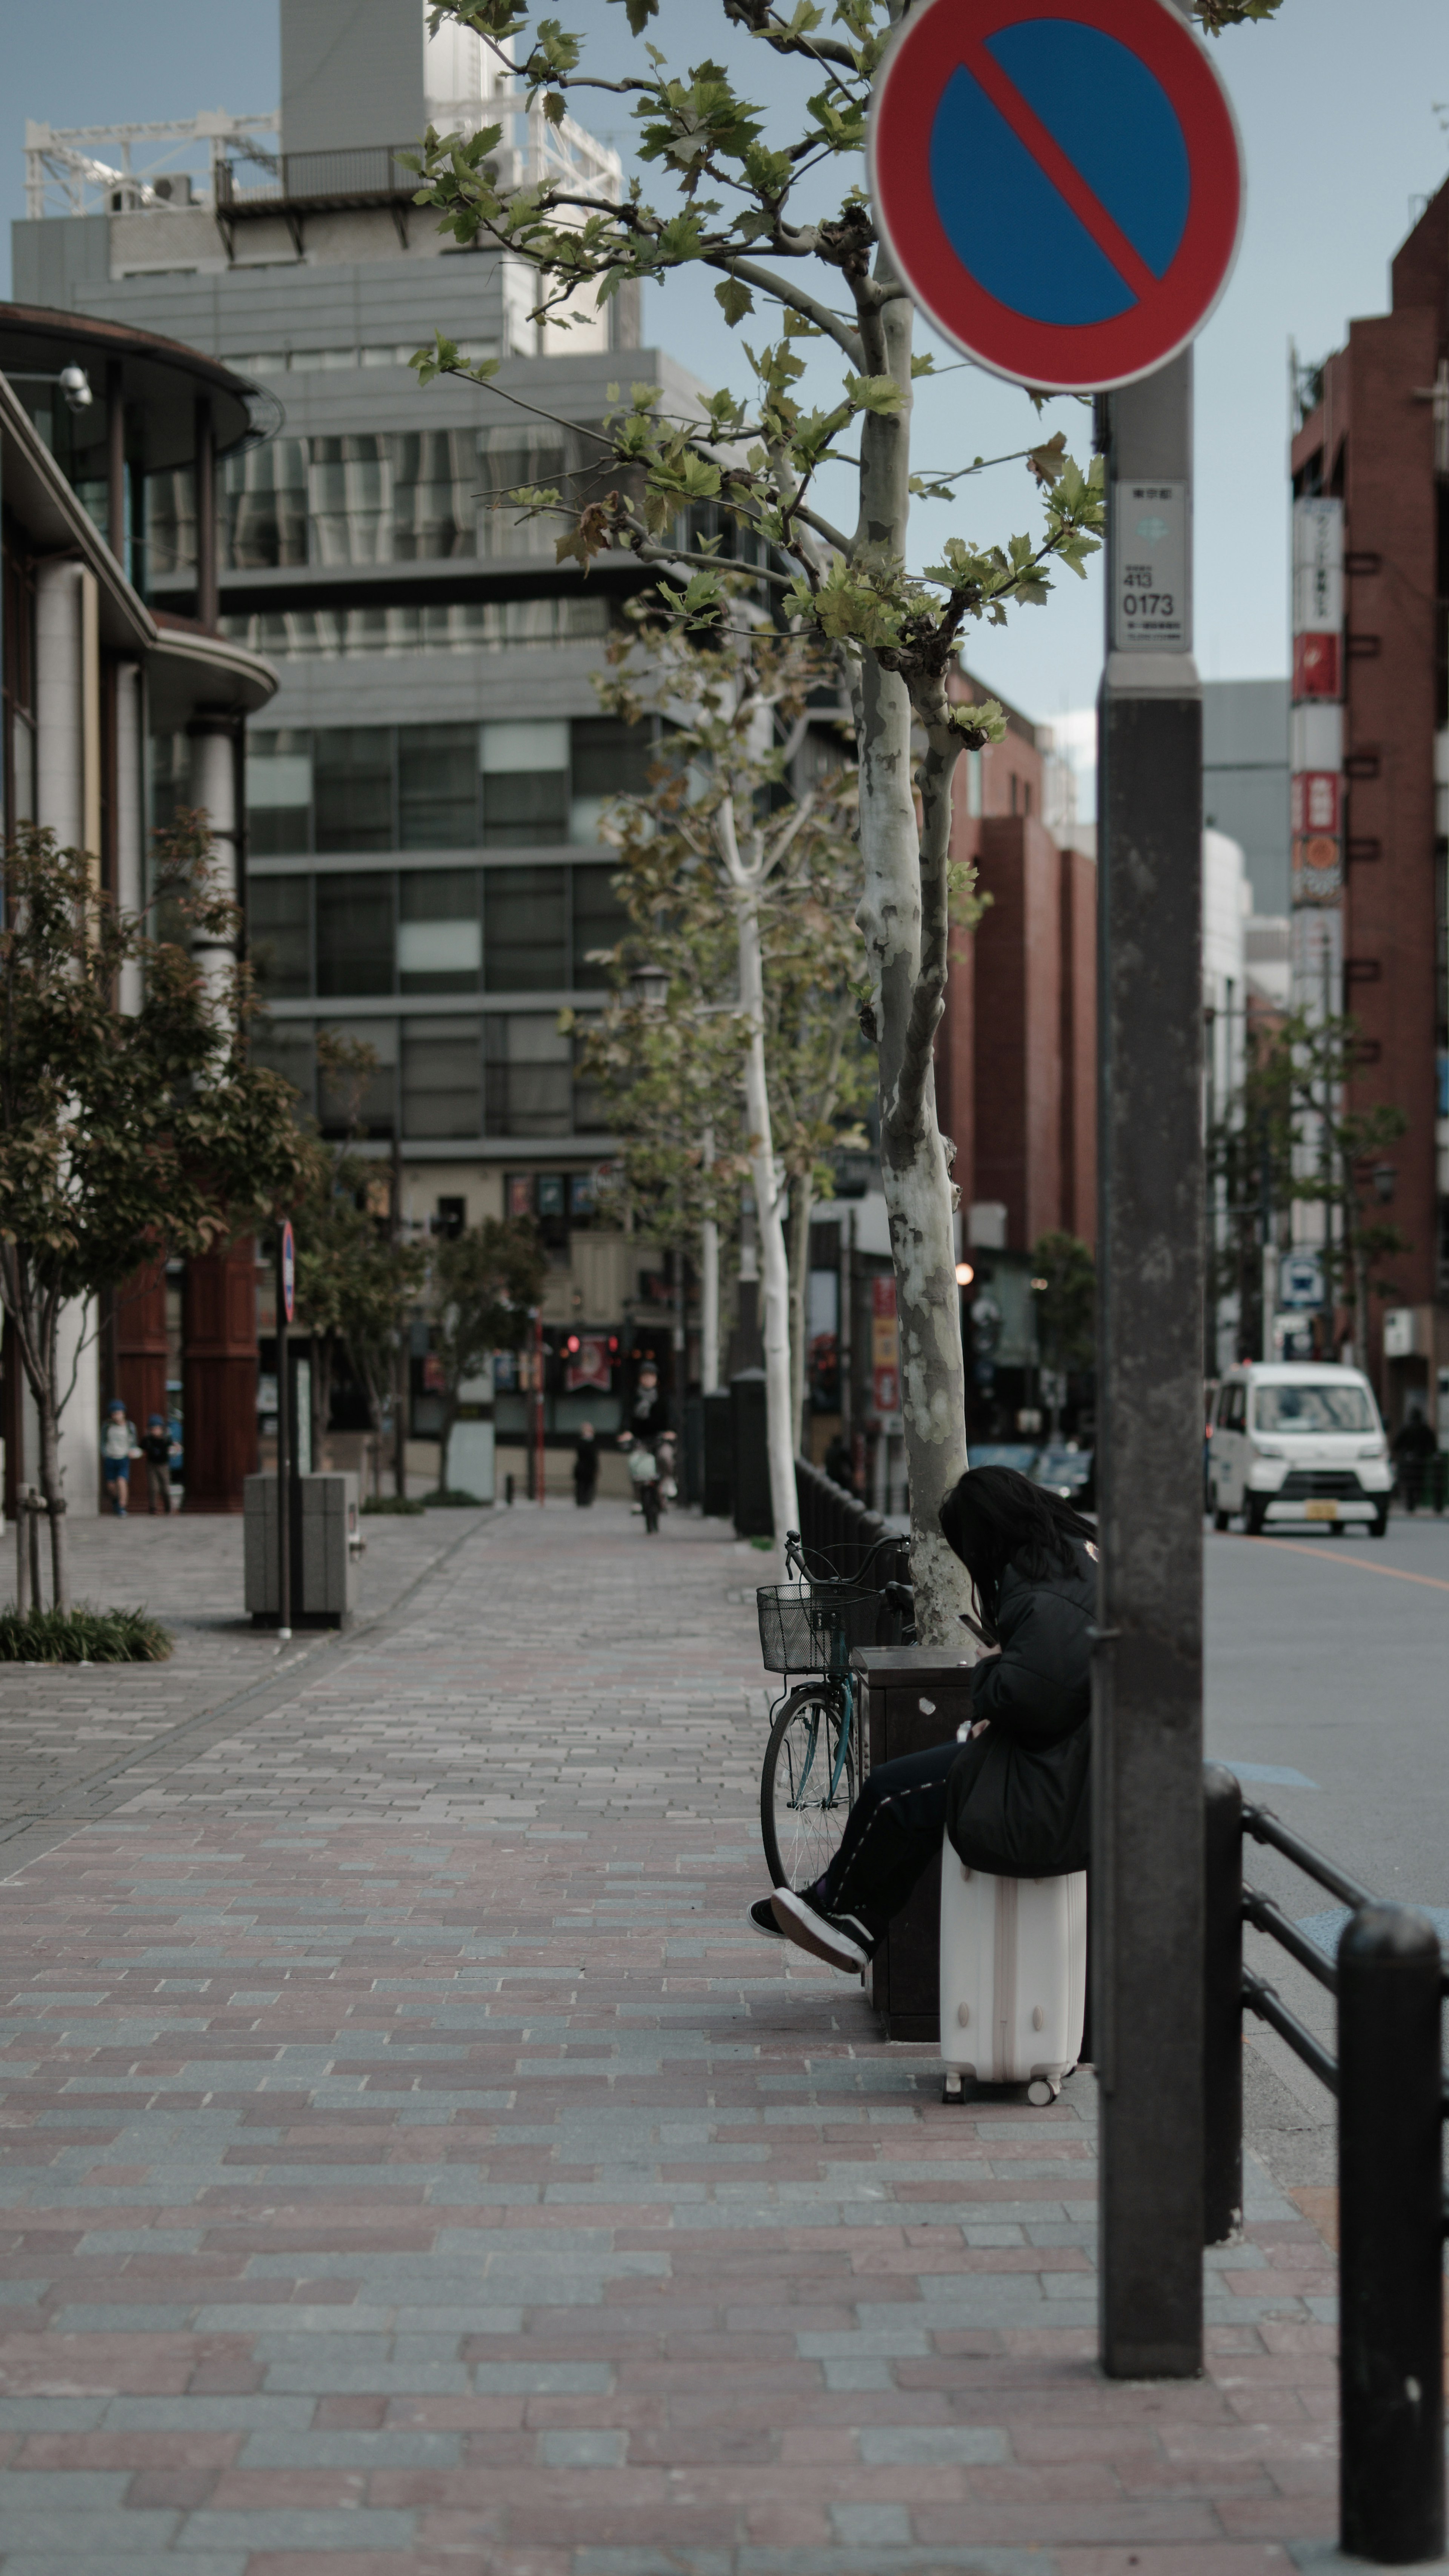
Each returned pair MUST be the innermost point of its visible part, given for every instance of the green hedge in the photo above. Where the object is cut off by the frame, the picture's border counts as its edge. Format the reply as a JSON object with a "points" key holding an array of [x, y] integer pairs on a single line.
{"points": [[390, 1504], [452, 1497], [83, 1636]]}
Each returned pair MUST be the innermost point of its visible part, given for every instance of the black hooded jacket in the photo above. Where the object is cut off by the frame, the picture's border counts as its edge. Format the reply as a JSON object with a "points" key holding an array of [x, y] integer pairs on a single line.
{"points": [[1039, 1688]]}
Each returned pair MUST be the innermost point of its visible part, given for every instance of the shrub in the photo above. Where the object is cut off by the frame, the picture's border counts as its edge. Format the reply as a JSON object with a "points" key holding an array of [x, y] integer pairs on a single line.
{"points": [[453, 1496], [392, 1504], [82, 1635]]}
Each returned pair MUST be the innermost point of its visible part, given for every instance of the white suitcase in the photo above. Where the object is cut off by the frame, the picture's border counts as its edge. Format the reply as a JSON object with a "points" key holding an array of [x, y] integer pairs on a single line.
{"points": [[1013, 1978]]}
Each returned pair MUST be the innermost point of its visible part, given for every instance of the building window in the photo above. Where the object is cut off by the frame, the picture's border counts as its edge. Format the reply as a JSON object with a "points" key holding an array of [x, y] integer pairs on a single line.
{"points": [[525, 939], [350, 489], [170, 523], [279, 936], [435, 494], [528, 1076], [440, 934], [362, 1104], [264, 523], [507, 459], [288, 1047], [525, 777], [279, 794], [610, 759], [354, 934], [599, 923], [352, 788], [591, 1116], [437, 787], [441, 1070]]}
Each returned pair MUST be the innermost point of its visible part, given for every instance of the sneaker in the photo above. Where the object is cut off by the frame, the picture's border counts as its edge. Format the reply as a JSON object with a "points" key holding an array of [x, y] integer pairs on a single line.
{"points": [[762, 1915], [839, 1939]]}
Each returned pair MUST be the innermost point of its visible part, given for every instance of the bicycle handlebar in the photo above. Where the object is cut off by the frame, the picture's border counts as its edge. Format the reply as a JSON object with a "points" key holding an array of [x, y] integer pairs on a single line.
{"points": [[795, 1554]]}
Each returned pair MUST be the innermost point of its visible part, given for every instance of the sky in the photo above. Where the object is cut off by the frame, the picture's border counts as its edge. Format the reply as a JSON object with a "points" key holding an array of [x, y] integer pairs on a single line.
{"points": [[1343, 142]]}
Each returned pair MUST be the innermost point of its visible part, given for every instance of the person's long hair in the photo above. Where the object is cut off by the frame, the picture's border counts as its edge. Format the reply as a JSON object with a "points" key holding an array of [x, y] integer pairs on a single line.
{"points": [[995, 1518]]}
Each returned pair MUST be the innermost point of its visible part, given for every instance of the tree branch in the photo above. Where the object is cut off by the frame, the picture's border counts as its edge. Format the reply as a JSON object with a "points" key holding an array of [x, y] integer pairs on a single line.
{"points": [[749, 273], [928, 994]]}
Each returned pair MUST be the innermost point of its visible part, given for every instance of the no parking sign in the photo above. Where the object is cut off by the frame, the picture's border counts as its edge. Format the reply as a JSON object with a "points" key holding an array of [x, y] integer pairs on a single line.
{"points": [[1059, 183]]}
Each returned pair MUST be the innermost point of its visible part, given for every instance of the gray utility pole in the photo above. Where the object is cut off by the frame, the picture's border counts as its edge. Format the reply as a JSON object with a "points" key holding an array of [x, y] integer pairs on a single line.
{"points": [[1147, 1876]]}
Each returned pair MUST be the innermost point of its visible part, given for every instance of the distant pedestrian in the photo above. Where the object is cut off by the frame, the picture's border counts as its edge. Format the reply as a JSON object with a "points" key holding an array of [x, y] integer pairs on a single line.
{"points": [[647, 1418], [156, 1448], [1414, 1445], [644, 1477], [586, 1466], [118, 1440]]}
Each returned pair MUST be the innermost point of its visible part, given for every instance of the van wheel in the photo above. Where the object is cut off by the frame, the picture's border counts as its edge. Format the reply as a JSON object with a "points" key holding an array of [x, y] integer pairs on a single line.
{"points": [[1254, 1514], [1379, 1528], [1221, 1519]]}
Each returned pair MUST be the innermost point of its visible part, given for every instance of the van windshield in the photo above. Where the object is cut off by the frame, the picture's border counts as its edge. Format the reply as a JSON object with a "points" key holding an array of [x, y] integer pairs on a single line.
{"points": [[1318, 1405]]}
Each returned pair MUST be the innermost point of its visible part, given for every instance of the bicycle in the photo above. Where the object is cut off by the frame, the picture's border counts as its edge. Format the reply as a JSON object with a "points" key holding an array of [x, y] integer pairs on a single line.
{"points": [[814, 1760]]}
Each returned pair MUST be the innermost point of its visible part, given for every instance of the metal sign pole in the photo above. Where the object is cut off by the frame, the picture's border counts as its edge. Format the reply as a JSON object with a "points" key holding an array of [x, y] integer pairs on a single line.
{"points": [[284, 1451], [1147, 1879]]}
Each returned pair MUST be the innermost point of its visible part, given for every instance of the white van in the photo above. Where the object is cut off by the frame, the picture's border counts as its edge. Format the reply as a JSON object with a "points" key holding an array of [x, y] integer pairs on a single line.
{"points": [[1299, 1441]]}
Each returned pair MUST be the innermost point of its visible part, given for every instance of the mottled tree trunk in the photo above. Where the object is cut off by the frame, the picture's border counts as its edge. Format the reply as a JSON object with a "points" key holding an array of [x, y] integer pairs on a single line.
{"points": [[769, 1220], [904, 919]]}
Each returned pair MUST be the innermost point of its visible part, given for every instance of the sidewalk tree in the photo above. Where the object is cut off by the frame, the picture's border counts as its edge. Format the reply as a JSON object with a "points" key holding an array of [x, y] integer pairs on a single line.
{"points": [[485, 1282], [1064, 1282], [1326, 1154], [125, 1137], [735, 885], [780, 224]]}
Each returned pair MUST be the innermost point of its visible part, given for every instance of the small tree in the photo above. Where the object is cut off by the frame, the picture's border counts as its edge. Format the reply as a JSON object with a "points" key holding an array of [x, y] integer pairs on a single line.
{"points": [[1064, 1280], [1324, 1153], [125, 1137], [718, 861], [485, 1281]]}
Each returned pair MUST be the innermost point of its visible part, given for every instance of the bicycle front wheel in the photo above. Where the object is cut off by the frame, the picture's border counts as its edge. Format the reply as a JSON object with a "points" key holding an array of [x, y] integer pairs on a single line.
{"points": [[808, 1785]]}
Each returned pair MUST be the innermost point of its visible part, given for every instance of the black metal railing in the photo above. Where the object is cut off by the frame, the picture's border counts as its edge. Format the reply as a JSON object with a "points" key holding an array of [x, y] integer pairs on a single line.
{"points": [[1388, 1981], [359, 170], [836, 1524]]}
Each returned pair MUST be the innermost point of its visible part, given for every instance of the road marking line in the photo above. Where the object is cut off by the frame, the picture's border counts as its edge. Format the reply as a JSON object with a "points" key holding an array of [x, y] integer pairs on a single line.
{"points": [[1335, 1556]]}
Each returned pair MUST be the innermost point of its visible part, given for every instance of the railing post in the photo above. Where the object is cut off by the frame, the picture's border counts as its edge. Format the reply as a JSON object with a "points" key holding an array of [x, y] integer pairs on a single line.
{"points": [[1222, 2029], [1391, 2230]]}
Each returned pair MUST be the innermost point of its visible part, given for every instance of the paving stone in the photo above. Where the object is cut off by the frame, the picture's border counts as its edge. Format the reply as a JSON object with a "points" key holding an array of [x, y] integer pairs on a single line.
{"points": [[401, 2126]]}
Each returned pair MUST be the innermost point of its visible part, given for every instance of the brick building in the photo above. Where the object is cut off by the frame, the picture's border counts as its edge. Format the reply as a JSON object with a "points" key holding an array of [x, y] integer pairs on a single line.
{"points": [[1016, 1057], [1376, 439]]}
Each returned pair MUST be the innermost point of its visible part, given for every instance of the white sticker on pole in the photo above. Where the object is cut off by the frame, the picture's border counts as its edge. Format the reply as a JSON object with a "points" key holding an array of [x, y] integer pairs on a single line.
{"points": [[1151, 607]]}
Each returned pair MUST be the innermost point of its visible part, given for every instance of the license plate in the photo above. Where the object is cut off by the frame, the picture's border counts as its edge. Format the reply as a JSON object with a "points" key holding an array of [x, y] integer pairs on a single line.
{"points": [[1320, 1511]]}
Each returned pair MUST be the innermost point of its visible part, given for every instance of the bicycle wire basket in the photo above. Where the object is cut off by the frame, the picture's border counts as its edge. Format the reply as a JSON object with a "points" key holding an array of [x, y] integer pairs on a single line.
{"points": [[815, 1627]]}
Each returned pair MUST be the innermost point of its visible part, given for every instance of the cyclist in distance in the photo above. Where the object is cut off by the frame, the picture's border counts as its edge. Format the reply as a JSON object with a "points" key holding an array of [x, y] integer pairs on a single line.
{"points": [[1032, 1563]]}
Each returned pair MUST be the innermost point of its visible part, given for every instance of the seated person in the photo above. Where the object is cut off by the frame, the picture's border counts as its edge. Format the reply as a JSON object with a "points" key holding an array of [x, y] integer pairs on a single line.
{"points": [[1032, 1563]]}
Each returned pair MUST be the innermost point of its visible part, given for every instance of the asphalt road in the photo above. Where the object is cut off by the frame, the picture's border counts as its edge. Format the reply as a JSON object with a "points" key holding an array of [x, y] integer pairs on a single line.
{"points": [[1328, 1661]]}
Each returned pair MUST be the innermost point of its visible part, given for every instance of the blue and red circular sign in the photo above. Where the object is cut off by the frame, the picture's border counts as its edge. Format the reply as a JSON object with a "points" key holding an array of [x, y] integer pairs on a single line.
{"points": [[289, 1271], [1058, 182]]}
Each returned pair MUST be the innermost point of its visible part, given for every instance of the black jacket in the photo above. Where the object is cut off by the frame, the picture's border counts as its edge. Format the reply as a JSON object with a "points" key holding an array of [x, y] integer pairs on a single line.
{"points": [[1039, 1688]]}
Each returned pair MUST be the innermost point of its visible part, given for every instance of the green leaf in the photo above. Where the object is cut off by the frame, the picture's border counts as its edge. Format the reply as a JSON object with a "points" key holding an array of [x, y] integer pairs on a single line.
{"points": [[734, 300]]}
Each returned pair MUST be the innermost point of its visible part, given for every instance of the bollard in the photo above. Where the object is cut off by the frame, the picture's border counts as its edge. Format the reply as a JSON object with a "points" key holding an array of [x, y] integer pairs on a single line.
{"points": [[34, 1506], [508, 1491], [22, 1550], [1222, 2027], [1391, 2200]]}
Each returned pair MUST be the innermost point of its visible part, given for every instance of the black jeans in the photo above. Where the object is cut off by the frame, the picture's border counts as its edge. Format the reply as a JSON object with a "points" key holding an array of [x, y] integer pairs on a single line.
{"points": [[892, 1833]]}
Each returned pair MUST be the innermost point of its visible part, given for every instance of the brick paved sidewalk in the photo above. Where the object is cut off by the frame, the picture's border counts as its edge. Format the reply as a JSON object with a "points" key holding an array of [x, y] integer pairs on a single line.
{"points": [[416, 2167]]}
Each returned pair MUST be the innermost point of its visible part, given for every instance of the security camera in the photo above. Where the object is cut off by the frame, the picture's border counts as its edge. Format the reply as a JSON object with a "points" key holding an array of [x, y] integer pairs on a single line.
{"points": [[75, 384]]}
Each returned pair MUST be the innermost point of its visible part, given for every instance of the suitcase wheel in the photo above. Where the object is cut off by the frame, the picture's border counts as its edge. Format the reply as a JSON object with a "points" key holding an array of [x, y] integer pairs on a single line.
{"points": [[952, 2089], [1042, 2090]]}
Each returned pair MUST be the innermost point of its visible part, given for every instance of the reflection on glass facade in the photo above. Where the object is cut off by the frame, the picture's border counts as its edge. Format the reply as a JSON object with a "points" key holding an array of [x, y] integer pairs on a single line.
{"points": [[459, 626], [439, 1079], [377, 496], [432, 931], [509, 786]]}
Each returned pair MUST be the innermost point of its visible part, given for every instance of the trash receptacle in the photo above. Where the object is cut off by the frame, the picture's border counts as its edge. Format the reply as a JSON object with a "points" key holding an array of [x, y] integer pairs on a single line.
{"points": [[749, 1456], [914, 1697], [326, 1542]]}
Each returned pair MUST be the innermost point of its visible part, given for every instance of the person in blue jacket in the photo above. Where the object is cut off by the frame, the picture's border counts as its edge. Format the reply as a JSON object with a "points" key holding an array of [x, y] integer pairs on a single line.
{"points": [[1032, 1563]]}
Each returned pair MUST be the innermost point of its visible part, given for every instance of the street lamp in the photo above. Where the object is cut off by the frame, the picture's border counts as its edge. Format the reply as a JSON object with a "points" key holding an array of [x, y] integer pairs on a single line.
{"points": [[964, 1274], [649, 986], [1385, 1175]]}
